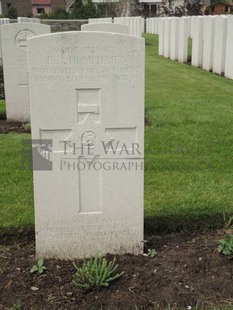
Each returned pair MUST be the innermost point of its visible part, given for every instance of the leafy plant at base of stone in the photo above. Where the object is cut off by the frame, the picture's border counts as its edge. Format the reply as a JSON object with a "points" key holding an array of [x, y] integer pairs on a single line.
{"points": [[95, 273], [27, 127], [39, 267], [226, 246], [151, 252]]}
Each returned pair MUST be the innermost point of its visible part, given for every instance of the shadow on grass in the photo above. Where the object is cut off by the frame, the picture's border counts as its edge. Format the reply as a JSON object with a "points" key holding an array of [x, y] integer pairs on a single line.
{"points": [[152, 225], [177, 223], [12, 235], [2, 115], [2, 108]]}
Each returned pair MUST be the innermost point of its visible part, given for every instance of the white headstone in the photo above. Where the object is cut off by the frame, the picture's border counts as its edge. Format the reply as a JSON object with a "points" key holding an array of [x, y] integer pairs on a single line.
{"points": [[189, 25], [3, 21], [135, 24], [106, 27], [151, 25], [120, 20], [14, 52], [29, 20], [167, 37], [87, 92], [155, 25], [220, 36], [142, 25], [148, 25], [174, 38], [183, 40], [197, 43], [229, 49], [161, 35], [192, 26], [100, 20], [208, 44]]}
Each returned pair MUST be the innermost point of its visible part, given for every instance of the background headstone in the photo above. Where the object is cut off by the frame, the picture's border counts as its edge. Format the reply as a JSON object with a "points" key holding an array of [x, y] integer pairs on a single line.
{"points": [[135, 24], [100, 20], [148, 25], [14, 52], [87, 88], [3, 21], [220, 36], [106, 27], [29, 20], [183, 39], [229, 49], [161, 35], [197, 44], [167, 36], [174, 38], [208, 44]]}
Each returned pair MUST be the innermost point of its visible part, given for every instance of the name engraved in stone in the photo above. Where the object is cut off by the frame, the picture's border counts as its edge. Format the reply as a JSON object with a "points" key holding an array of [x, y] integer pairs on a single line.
{"points": [[85, 74]]}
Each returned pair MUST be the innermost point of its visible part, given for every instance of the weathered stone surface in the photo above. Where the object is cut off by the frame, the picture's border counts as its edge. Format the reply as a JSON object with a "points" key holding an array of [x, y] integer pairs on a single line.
{"points": [[14, 52], [208, 43], [229, 49], [106, 27], [87, 95], [220, 36]]}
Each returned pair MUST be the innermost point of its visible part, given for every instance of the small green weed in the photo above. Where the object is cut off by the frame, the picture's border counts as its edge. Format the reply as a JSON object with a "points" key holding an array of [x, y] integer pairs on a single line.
{"points": [[18, 305], [96, 273], [27, 127], [225, 246], [39, 267], [151, 252]]}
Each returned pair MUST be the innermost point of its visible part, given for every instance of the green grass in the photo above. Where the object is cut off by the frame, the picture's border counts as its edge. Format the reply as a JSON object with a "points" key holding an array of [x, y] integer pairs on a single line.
{"points": [[187, 108], [188, 150], [2, 109], [16, 194]]}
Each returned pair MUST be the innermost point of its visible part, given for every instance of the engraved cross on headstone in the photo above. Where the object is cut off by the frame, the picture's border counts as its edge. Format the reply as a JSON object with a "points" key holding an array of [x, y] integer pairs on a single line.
{"points": [[84, 144]]}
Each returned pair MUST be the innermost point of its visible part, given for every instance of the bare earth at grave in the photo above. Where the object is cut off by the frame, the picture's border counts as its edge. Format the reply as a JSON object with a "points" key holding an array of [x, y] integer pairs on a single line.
{"points": [[12, 127], [187, 271]]}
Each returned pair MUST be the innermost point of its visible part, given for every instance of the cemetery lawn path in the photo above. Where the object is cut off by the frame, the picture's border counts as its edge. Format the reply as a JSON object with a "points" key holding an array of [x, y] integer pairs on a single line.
{"points": [[186, 273]]}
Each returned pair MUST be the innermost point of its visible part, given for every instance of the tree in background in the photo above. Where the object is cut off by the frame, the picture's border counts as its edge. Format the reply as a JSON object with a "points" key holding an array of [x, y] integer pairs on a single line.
{"points": [[59, 13], [193, 7], [12, 12], [89, 10], [190, 7], [77, 9], [124, 8], [84, 10]]}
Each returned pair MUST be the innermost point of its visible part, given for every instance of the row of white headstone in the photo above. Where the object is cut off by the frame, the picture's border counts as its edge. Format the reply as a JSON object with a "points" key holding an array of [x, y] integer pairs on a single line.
{"points": [[4, 21], [212, 41], [135, 23], [14, 59], [14, 54], [86, 91]]}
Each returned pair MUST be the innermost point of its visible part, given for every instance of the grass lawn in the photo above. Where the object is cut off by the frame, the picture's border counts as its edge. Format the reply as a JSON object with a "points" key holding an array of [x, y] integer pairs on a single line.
{"points": [[188, 149], [16, 188], [189, 145]]}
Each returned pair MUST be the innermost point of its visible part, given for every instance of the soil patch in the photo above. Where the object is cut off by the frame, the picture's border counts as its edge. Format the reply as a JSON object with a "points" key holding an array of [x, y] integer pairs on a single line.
{"points": [[187, 271], [13, 127]]}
